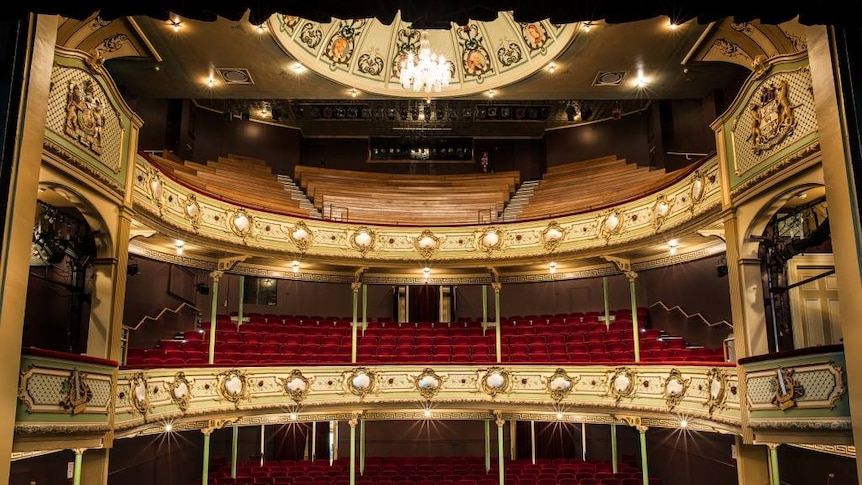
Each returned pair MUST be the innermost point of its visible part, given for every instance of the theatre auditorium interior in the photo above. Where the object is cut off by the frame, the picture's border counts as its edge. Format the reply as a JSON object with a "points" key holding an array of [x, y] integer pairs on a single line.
{"points": [[439, 243]]}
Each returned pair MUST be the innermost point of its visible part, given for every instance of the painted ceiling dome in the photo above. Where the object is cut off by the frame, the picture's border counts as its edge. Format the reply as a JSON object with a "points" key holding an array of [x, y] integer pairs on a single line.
{"points": [[368, 55]]}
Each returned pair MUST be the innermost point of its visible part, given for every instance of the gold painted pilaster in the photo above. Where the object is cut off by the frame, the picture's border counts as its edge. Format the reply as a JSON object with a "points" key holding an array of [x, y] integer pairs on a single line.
{"points": [[842, 201], [95, 468], [752, 464], [28, 124]]}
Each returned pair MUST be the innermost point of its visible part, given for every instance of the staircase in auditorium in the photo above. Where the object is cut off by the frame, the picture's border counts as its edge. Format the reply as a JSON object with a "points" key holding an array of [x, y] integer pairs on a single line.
{"points": [[519, 200]]}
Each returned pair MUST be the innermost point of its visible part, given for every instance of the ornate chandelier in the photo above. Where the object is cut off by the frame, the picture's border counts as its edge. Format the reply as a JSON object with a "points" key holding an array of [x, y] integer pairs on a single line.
{"points": [[425, 71]]}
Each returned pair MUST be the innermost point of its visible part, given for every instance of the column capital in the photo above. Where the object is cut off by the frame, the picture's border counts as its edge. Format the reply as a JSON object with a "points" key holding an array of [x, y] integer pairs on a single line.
{"points": [[79, 451], [216, 275], [354, 419], [207, 431], [355, 287], [773, 446], [497, 287], [498, 419]]}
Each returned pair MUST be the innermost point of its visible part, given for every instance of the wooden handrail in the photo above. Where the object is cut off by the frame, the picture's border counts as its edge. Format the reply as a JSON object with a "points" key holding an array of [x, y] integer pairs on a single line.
{"points": [[687, 315], [161, 314]]}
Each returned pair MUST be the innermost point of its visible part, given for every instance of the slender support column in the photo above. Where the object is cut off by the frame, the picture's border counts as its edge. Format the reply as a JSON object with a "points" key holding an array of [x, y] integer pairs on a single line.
{"points": [[533, 441], [233, 447], [584, 441], [353, 422], [407, 303], [216, 276], [774, 478], [206, 463], [362, 447], [487, 446], [614, 458], [241, 297], [353, 344], [262, 443], [497, 287], [631, 275], [752, 463], [484, 308], [313, 440], [364, 307], [513, 439], [605, 298], [76, 471], [644, 465], [500, 457]]}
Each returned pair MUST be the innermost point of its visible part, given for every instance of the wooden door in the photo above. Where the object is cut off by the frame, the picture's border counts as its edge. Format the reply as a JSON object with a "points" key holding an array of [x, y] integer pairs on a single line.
{"points": [[814, 304]]}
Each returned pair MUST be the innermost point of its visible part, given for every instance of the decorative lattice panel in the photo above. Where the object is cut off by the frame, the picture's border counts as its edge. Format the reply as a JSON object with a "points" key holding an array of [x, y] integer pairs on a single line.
{"points": [[63, 81], [748, 153]]}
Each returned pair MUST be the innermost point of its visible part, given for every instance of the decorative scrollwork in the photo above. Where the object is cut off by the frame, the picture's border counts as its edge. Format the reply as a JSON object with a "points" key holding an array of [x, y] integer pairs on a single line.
{"points": [[621, 383], [494, 381], [559, 384], [426, 243], [76, 393], [233, 386], [310, 35], [192, 211], [490, 239], [661, 210], [428, 383], [139, 395], [716, 389], [370, 65], [363, 240], [360, 381], [674, 388], [787, 389], [509, 54], [611, 224], [301, 236], [241, 223], [698, 188], [180, 391], [296, 385], [553, 235]]}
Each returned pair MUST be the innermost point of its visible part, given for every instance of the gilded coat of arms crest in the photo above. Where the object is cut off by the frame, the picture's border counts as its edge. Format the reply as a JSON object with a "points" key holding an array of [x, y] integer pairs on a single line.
{"points": [[772, 117], [85, 118]]}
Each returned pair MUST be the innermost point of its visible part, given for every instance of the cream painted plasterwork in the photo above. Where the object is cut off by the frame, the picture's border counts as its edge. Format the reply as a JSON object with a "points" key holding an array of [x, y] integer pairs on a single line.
{"points": [[271, 232]]}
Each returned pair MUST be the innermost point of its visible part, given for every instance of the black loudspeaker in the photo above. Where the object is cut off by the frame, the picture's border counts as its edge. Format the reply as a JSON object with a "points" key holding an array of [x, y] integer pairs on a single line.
{"points": [[721, 270], [202, 288]]}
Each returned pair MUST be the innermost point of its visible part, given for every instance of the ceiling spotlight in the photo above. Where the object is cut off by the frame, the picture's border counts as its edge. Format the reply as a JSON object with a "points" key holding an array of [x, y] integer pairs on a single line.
{"points": [[683, 423], [552, 267], [354, 93], [261, 28], [587, 25], [293, 416], [491, 93], [295, 266], [176, 24], [641, 80], [210, 81], [673, 245], [551, 67], [427, 413], [169, 427], [559, 415], [297, 67], [180, 245]]}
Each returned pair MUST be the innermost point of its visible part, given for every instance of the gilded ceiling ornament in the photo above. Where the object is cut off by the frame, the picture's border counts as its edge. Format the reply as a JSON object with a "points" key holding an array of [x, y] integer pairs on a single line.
{"points": [[192, 211], [559, 384], [661, 210], [787, 389], [428, 383], [139, 395], [233, 386], [475, 60], [85, 117], [296, 385], [490, 239], [494, 381], [716, 380], [180, 391], [241, 223], [301, 235], [427, 243], [772, 118], [553, 235], [360, 381], [611, 224], [341, 45], [674, 388], [621, 383], [362, 240]]}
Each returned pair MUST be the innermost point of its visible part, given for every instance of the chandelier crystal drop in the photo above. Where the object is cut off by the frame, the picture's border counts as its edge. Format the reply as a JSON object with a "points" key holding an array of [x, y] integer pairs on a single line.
{"points": [[425, 71]]}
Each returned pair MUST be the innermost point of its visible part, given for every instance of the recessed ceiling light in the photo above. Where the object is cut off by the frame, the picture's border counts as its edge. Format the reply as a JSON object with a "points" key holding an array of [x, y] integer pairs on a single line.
{"points": [[176, 24], [609, 78], [298, 68], [261, 28], [235, 75], [491, 93], [551, 67]]}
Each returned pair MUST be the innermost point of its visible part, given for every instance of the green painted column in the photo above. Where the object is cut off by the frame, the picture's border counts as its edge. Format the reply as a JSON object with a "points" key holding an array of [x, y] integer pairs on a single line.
{"points": [[487, 445], [497, 287], [241, 297], [216, 276], [533, 441], [364, 308], [484, 308], [606, 299], [644, 464], [353, 344], [774, 478], [233, 447], [362, 447], [635, 327], [614, 458], [206, 464], [500, 456], [584, 441], [76, 471], [353, 421]]}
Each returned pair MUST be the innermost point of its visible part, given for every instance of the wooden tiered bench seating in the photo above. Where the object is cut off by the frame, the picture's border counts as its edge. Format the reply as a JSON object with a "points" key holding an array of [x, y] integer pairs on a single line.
{"points": [[379, 198], [245, 181], [593, 184]]}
